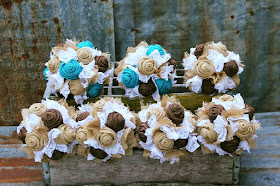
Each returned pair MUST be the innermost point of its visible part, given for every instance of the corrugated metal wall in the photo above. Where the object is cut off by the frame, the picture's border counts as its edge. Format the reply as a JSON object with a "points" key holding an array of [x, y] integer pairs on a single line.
{"points": [[30, 28]]}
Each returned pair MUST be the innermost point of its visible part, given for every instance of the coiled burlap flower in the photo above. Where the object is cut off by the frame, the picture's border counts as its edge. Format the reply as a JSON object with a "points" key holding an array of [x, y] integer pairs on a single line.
{"points": [[214, 111], [129, 78], [128, 140], [81, 135], [70, 70], [98, 106], [236, 79], [221, 48], [37, 108], [231, 68], [115, 121], [67, 135], [52, 118], [102, 63], [147, 66], [208, 133], [158, 112], [84, 56], [204, 68], [53, 64], [176, 113], [106, 137], [163, 86], [36, 139], [245, 129], [76, 87], [226, 97], [147, 89], [162, 142]]}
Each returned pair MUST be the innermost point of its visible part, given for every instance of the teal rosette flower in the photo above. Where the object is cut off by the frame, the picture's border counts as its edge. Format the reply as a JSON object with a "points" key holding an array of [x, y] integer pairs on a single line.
{"points": [[129, 78], [151, 48], [163, 86], [45, 74], [70, 70], [94, 90], [85, 44]]}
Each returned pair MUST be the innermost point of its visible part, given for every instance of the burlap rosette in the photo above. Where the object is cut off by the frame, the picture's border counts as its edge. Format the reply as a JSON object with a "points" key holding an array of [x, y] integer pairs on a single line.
{"points": [[37, 139], [67, 135], [37, 108]]}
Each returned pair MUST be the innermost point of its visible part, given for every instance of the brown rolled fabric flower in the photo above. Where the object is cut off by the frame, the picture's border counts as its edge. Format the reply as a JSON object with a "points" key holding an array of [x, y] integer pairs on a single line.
{"points": [[57, 155], [231, 145], [36, 139], [81, 135], [208, 133], [37, 108], [147, 66], [115, 121], [106, 137], [251, 111], [53, 64], [52, 118], [214, 111], [98, 153], [245, 129], [199, 50], [82, 116], [102, 63], [162, 142], [176, 113], [231, 68], [171, 61], [76, 87], [67, 135], [84, 56], [204, 68], [180, 143], [147, 89], [208, 87], [141, 131], [158, 112], [22, 134]]}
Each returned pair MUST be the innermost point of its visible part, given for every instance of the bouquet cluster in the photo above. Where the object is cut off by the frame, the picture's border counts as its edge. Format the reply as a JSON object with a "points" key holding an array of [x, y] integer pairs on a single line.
{"points": [[227, 125], [147, 70], [77, 68], [211, 68], [166, 130]]}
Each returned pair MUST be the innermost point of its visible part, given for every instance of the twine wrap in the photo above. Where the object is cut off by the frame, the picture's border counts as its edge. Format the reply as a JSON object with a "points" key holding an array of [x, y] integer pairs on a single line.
{"points": [[147, 89], [84, 56], [208, 133], [129, 78], [176, 113], [102, 63], [115, 121], [67, 135], [106, 137], [36, 139], [245, 129], [162, 142], [70, 70], [53, 64], [52, 118], [204, 68], [76, 87], [37, 108], [147, 66]]}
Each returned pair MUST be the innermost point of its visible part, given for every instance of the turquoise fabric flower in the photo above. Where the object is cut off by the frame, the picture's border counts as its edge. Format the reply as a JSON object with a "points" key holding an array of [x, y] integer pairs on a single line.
{"points": [[85, 44], [94, 90], [70, 70], [45, 73], [151, 48], [163, 86], [129, 78]]}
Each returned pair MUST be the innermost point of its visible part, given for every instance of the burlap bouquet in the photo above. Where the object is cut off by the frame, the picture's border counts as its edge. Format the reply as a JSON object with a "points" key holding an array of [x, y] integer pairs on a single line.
{"points": [[166, 130], [211, 68], [105, 130], [77, 69], [147, 70], [47, 130], [227, 125]]}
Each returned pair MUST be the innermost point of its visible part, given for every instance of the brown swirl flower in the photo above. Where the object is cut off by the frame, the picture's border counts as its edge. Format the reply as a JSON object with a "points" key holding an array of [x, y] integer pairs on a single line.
{"points": [[141, 131], [245, 129], [171, 61], [82, 116], [147, 89], [199, 50], [98, 153], [204, 68], [81, 135], [147, 66], [84, 56], [176, 113], [231, 68], [22, 134], [102, 63], [57, 155], [53, 64], [76, 88], [115, 121], [162, 142], [208, 87], [36, 139], [208, 133], [37, 108], [52, 118], [231, 145], [180, 143], [67, 135], [158, 112], [251, 111], [214, 111], [106, 137]]}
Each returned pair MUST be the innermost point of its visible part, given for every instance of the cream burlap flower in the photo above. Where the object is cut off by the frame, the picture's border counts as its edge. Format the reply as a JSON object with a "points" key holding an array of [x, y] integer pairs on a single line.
{"points": [[208, 133], [106, 137], [76, 88], [37, 139], [81, 135], [226, 97], [37, 108], [158, 112], [245, 129], [147, 66], [84, 56], [98, 106], [67, 135], [221, 48], [162, 142], [204, 68], [53, 64], [236, 79], [128, 141]]}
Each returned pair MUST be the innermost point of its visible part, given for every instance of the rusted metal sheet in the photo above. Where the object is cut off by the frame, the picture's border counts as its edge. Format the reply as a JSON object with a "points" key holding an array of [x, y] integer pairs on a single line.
{"points": [[249, 28], [28, 31]]}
